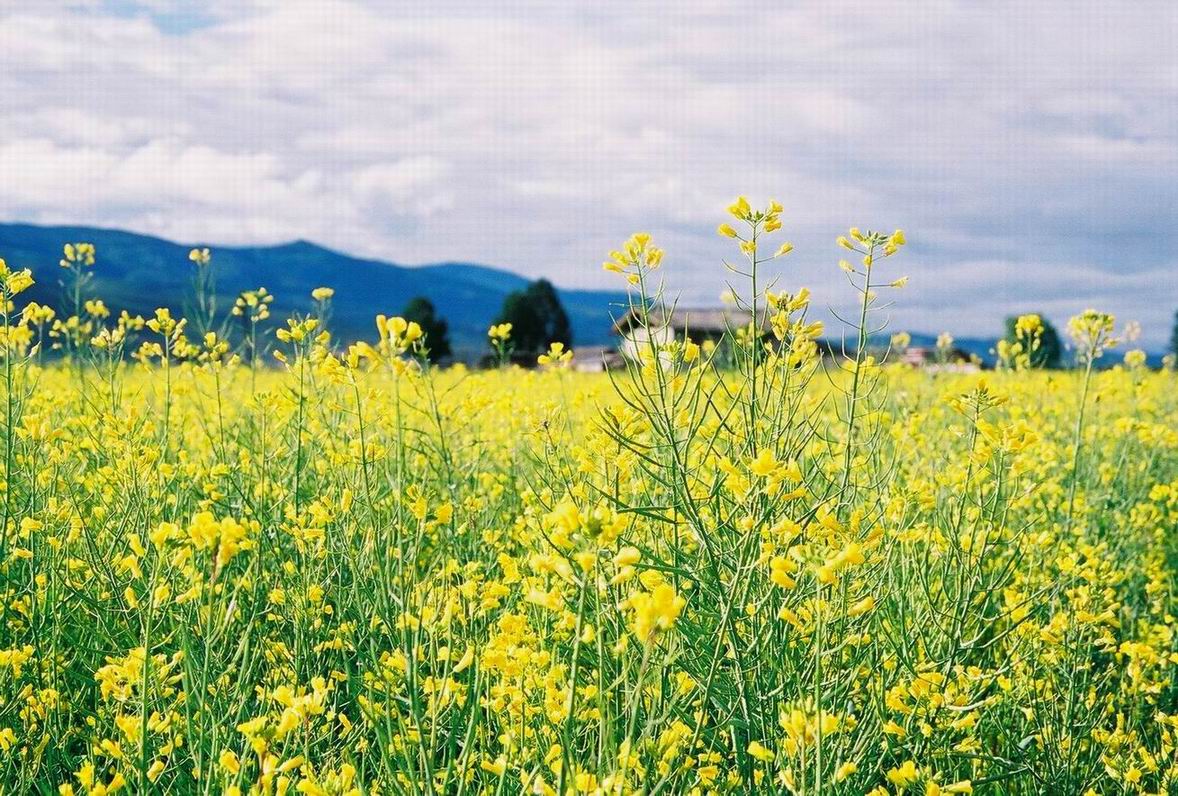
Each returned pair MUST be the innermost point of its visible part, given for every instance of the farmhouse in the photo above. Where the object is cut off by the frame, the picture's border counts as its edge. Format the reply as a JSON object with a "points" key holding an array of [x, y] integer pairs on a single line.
{"points": [[956, 360], [698, 324], [596, 359], [701, 324]]}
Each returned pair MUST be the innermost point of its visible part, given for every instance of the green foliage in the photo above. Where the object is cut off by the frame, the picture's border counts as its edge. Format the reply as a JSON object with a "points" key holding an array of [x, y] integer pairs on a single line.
{"points": [[537, 318], [357, 575], [1050, 351], [437, 338]]}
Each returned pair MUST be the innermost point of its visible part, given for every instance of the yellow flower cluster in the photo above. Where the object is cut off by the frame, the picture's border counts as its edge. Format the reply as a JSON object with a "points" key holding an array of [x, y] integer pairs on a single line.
{"points": [[740, 565]]}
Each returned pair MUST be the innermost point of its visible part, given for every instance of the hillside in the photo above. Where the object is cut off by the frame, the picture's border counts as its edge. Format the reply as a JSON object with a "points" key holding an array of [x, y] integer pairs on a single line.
{"points": [[139, 273]]}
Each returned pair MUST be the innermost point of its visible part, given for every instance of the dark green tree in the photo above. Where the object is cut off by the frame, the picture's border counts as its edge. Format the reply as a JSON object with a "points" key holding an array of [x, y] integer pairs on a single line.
{"points": [[1174, 337], [1050, 352], [527, 330], [537, 318], [556, 327], [437, 338]]}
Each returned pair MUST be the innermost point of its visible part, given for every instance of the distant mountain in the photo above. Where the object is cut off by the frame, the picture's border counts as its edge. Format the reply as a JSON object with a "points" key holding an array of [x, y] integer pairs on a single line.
{"points": [[139, 273]]}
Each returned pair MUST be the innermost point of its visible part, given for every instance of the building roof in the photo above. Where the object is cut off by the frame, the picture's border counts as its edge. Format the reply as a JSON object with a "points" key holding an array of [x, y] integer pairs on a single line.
{"points": [[705, 320], [920, 354]]}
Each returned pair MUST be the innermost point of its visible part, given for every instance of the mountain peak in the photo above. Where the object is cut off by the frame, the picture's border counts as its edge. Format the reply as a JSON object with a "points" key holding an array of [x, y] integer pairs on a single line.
{"points": [[139, 273], [299, 245]]}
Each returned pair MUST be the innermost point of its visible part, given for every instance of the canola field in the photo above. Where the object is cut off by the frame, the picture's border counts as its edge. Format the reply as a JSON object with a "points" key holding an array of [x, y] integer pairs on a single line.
{"points": [[740, 568]]}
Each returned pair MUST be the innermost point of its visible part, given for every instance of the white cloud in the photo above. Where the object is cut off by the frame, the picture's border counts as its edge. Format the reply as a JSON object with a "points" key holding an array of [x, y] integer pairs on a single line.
{"points": [[1028, 148], [413, 185]]}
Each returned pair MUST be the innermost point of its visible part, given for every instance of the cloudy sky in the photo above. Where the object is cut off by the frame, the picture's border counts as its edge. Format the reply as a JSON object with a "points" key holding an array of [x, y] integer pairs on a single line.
{"points": [[1030, 150]]}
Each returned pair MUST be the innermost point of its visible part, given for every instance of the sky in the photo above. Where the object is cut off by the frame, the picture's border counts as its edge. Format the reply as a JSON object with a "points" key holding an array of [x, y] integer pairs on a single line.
{"points": [[1028, 150]]}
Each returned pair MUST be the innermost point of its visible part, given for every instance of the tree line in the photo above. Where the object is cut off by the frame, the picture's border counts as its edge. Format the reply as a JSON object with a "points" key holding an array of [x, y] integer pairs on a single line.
{"points": [[535, 313], [1050, 351], [537, 319]]}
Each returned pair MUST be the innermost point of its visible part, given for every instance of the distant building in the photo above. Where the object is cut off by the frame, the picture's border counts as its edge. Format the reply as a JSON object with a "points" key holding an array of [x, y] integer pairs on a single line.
{"points": [[695, 323], [929, 358], [596, 359], [702, 324]]}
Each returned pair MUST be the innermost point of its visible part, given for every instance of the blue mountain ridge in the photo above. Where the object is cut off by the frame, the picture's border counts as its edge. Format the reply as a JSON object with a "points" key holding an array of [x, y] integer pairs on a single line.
{"points": [[139, 273]]}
